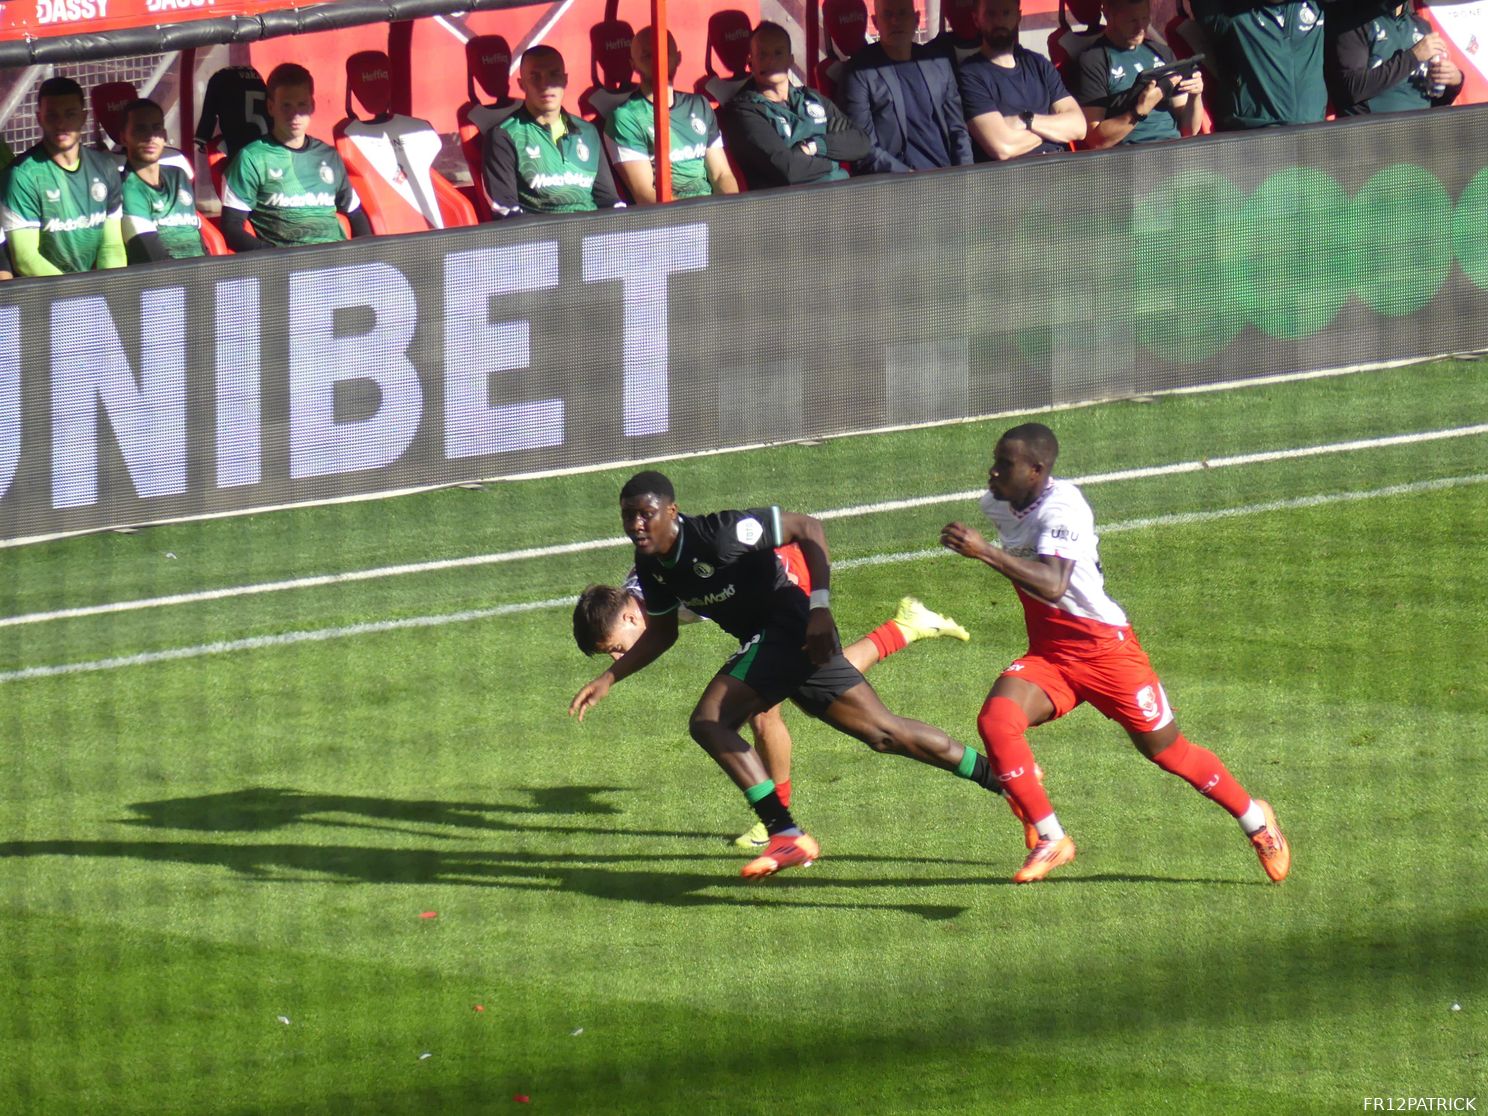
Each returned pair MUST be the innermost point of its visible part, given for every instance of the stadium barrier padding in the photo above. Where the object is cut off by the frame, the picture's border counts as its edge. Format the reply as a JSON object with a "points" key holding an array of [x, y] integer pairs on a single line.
{"points": [[287, 377]]}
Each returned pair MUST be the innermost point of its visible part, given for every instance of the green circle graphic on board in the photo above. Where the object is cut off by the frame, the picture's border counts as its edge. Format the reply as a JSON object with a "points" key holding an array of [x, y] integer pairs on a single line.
{"points": [[1470, 230], [1401, 217], [1300, 247], [1188, 265]]}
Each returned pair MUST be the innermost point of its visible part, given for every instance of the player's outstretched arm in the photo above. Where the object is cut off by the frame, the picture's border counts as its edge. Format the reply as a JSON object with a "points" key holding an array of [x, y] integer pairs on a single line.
{"points": [[821, 630], [660, 634], [1047, 576]]}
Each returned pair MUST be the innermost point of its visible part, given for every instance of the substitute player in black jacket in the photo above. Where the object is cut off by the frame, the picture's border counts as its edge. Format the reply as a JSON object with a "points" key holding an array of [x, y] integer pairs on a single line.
{"points": [[723, 566], [781, 134]]}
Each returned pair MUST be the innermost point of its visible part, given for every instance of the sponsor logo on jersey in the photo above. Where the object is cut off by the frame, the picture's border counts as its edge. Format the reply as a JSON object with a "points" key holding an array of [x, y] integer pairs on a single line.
{"points": [[326, 174], [749, 530], [279, 200], [702, 569], [179, 220], [1064, 533], [719, 597], [684, 154], [98, 191], [567, 178], [74, 224]]}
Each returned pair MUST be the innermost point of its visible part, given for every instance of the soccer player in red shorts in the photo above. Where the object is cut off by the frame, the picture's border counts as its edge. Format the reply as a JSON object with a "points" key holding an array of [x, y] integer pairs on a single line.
{"points": [[1080, 648]]}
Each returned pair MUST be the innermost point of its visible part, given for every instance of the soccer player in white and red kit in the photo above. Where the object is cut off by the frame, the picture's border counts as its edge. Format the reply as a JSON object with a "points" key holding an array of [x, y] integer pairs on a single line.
{"points": [[1080, 648]]}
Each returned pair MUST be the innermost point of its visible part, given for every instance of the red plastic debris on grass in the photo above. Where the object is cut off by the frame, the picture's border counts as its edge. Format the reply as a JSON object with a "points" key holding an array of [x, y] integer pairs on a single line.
{"points": [[480, 1007], [428, 914], [522, 1098]]}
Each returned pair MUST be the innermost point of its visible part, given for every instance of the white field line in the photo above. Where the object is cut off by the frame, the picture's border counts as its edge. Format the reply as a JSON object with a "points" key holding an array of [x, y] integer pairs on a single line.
{"points": [[617, 543], [322, 635]]}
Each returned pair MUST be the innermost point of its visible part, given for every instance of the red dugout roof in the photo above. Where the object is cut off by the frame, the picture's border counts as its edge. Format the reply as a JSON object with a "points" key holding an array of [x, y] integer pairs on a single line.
{"points": [[33, 32]]}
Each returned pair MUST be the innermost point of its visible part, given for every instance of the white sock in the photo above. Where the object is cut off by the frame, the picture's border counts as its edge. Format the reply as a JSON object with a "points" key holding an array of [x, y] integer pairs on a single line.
{"points": [[1252, 821], [1049, 829]]}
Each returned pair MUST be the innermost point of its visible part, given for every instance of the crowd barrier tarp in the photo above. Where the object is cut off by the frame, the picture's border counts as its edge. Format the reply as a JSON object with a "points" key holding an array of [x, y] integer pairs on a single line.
{"points": [[287, 377]]}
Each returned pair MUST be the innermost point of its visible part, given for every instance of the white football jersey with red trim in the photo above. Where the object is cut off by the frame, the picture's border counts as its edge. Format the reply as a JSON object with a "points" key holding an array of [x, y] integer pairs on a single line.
{"points": [[1059, 523]]}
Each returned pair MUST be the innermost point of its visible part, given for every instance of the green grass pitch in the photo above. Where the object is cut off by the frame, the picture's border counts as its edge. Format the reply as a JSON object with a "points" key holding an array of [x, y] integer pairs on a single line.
{"points": [[214, 867]]}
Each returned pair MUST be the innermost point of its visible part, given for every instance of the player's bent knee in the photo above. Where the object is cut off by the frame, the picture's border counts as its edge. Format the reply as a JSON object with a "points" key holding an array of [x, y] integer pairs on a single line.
{"points": [[1001, 722], [704, 730]]}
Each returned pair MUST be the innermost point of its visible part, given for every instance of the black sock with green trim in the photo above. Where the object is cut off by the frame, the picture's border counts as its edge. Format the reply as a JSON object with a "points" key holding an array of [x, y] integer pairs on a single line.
{"points": [[771, 810], [974, 766]]}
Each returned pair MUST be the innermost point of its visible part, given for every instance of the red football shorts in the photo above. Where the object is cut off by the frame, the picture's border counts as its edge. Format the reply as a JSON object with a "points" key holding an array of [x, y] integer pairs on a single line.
{"points": [[795, 566], [1114, 675]]}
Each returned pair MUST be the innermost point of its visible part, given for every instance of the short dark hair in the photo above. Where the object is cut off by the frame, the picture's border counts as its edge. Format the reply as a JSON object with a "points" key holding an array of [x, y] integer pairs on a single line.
{"points": [[1039, 440], [768, 27], [541, 51], [649, 483], [288, 73], [59, 87], [136, 105], [596, 612]]}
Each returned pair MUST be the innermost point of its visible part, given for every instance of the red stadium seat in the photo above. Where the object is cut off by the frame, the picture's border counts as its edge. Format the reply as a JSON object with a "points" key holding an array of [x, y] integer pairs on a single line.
{"points": [[108, 102], [488, 71], [390, 158], [960, 18], [609, 68], [728, 42], [1065, 42], [846, 26], [212, 238]]}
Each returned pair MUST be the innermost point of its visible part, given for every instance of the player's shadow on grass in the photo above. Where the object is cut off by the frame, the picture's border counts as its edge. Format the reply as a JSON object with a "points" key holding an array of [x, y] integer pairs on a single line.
{"points": [[260, 809], [628, 877]]}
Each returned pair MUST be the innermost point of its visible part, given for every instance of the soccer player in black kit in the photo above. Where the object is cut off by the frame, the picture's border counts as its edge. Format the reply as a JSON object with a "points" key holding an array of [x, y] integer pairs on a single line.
{"points": [[723, 566]]}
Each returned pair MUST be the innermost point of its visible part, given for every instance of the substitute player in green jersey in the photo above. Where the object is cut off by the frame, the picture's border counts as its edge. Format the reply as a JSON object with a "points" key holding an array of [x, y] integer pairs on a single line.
{"points": [[160, 218], [61, 204], [287, 183], [699, 166], [541, 159]]}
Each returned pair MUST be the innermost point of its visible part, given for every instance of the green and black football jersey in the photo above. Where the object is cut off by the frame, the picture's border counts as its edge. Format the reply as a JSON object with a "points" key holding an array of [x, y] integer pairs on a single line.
{"points": [[69, 207], [526, 170], [724, 567], [292, 196], [632, 127], [167, 210]]}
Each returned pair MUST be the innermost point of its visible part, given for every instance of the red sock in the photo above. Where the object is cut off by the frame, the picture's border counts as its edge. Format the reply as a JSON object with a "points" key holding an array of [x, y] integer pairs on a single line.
{"points": [[1002, 724], [782, 791], [1203, 770], [888, 638]]}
